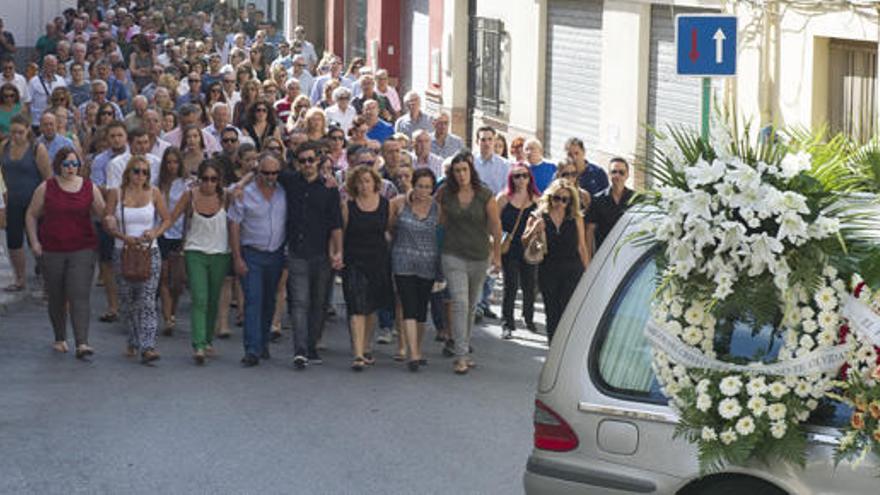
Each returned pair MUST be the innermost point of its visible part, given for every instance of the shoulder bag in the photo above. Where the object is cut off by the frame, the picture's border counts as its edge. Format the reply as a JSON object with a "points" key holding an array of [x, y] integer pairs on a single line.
{"points": [[507, 237], [136, 258]]}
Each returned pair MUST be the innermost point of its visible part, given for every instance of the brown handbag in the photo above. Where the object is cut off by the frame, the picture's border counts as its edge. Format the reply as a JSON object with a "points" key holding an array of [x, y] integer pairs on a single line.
{"points": [[536, 249], [136, 258]]}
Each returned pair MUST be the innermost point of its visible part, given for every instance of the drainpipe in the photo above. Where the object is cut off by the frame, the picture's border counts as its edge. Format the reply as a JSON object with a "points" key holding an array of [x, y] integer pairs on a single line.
{"points": [[769, 57]]}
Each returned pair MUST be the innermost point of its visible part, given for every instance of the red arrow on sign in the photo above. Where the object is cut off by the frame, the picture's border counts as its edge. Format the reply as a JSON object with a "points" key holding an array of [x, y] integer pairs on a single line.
{"points": [[694, 55]]}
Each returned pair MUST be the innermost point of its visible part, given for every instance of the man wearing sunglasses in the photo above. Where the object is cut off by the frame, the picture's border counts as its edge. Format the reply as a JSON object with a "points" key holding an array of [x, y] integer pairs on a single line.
{"points": [[99, 96], [314, 245], [607, 208], [256, 236]]}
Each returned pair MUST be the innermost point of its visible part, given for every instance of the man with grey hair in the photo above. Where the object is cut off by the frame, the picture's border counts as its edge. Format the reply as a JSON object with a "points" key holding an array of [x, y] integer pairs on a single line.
{"points": [[99, 96], [49, 138], [414, 118], [135, 118], [79, 53], [444, 144], [153, 126], [300, 72], [422, 156], [367, 85], [41, 86], [341, 111], [284, 105]]}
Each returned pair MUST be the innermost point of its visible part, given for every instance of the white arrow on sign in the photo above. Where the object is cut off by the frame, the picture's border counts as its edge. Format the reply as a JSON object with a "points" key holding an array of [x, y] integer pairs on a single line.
{"points": [[719, 45]]}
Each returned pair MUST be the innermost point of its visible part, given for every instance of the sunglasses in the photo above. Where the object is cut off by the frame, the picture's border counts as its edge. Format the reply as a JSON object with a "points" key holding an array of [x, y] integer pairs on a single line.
{"points": [[9, 95], [520, 176], [618, 172], [262, 110], [269, 173], [307, 161], [210, 178], [215, 90], [338, 138], [70, 163], [559, 199], [195, 80], [140, 171], [276, 149], [230, 140]]}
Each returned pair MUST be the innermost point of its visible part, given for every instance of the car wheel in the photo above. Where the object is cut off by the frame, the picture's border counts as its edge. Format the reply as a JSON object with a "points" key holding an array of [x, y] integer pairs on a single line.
{"points": [[731, 484]]}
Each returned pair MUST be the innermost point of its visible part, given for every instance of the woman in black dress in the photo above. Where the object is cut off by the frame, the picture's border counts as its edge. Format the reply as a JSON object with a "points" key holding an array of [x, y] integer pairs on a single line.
{"points": [[366, 279], [559, 218]]}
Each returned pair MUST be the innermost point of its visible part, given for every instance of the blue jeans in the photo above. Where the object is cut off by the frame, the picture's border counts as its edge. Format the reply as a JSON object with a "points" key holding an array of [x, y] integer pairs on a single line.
{"points": [[386, 317], [488, 284], [259, 285]]}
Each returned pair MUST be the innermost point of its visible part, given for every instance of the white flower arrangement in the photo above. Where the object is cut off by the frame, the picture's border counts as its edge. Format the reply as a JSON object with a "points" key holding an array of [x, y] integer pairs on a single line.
{"points": [[731, 220]]}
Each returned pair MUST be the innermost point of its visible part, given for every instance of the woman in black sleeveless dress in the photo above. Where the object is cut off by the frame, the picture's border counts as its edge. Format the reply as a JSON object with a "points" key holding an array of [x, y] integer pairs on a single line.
{"points": [[366, 278]]}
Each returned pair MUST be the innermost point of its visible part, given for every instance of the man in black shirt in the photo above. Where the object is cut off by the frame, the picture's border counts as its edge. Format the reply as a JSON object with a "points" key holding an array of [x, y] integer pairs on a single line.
{"points": [[607, 209], [314, 245]]}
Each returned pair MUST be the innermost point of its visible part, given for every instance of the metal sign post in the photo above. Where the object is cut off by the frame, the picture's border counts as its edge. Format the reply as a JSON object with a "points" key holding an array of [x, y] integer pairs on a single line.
{"points": [[706, 47]]}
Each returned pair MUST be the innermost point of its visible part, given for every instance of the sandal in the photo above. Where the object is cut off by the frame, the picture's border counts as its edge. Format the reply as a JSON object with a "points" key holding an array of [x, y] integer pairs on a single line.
{"points": [[368, 359], [358, 364], [83, 351], [149, 356], [199, 357], [399, 357], [60, 346], [460, 367], [109, 317], [130, 351], [224, 335]]}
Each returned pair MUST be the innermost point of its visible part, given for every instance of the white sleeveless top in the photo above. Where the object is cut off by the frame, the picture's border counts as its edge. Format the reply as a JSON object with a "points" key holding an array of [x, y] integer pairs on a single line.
{"points": [[207, 234], [137, 220]]}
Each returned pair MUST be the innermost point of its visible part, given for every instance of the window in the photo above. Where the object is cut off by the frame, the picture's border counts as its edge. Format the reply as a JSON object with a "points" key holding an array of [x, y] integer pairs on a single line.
{"points": [[852, 88], [489, 65], [623, 365]]}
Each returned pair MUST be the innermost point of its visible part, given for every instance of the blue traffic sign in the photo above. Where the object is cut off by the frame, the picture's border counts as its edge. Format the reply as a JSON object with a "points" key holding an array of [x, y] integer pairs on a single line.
{"points": [[705, 45]]}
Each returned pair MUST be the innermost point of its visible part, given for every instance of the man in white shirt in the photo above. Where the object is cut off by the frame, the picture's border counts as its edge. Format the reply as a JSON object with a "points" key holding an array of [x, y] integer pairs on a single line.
{"points": [[41, 86], [10, 76], [139, 144], [491, 167]]}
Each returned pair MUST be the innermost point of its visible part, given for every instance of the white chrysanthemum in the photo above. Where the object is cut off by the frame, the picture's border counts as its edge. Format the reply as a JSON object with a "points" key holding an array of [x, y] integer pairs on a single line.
{"points": [[829, 271], [807, 313], [708, 434], [866, 353], [807, 342], [810, 326], [757, 405], [729, 408], [803, 389], [778, 429], [825, 298], [675, 309], [777, 389], [792, 227], [703, 386], [776, 411], [730, 385], [692, 336], [812, 404], [704, 402], [727, 436], [745, 426], [694, 314], [756, 386], [826, 338], [673, 327], [828, 320]]}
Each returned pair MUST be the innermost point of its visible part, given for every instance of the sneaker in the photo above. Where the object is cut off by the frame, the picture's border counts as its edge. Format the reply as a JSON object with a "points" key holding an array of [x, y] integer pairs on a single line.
{"points": [[384, 336], [300, 362], [315, 358]]}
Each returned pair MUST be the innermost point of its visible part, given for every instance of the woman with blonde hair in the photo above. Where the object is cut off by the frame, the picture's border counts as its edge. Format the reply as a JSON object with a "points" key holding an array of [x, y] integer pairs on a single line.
{"points": [[560, 222], [250, 92], [366, 278], [566, 169], [316, 124], [130, 218]]}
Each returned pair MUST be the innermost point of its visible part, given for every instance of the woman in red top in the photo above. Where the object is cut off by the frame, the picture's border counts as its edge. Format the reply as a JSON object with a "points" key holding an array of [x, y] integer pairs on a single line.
{"points": [[65, 242]]}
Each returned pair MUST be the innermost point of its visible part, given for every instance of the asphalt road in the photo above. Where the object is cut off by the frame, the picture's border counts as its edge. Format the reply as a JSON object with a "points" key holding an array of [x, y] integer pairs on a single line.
{"points": [[115, 426]]}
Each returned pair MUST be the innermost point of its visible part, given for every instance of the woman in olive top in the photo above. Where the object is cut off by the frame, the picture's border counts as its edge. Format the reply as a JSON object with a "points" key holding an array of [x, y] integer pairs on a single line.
{"points": [[469, 215]]}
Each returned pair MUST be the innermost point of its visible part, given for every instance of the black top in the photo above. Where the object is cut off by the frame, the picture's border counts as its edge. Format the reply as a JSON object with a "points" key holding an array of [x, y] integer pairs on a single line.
{"points": [[312, 214], [508, 219], [258, 139], [364, 244], [605, 213], [562, 243]]}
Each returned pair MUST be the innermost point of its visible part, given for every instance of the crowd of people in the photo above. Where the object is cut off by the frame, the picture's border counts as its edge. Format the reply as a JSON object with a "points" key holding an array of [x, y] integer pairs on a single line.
{"points": [[186, 146]]}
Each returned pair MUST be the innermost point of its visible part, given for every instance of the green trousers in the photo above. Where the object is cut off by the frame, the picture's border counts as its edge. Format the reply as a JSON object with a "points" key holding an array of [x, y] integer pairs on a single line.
{"points": [[206, 273]]}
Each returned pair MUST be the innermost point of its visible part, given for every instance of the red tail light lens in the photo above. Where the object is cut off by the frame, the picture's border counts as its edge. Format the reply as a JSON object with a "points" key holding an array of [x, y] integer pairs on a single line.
{"points": [[551, 431]]}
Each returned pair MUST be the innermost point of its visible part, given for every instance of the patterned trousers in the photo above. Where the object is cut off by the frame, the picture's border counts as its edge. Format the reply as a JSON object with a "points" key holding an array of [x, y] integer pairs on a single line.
{"points": [[137, 300]]}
